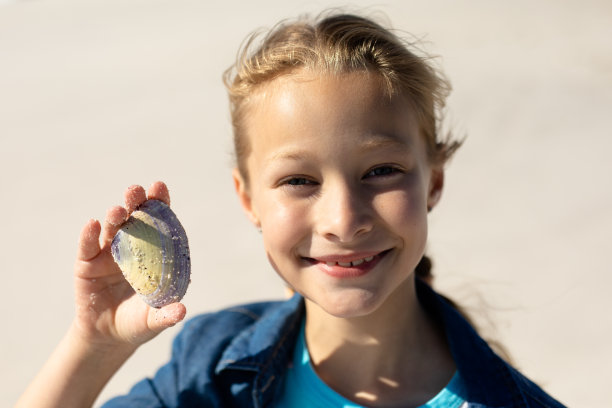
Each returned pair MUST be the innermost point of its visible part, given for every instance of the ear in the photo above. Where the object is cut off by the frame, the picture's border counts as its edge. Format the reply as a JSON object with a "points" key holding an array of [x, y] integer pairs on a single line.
{"points": [[245, 197], [436, 184]]}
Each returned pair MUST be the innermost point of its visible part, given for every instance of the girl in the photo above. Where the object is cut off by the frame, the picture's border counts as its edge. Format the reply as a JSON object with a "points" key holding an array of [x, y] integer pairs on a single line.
{"points": [[339, 161]]}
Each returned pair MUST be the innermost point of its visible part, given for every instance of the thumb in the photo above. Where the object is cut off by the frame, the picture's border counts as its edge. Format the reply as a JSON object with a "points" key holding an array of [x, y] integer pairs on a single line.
{"points": [[167, 316]]}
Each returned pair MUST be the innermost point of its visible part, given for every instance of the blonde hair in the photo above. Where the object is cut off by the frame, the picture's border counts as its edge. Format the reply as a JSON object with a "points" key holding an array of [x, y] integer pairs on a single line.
{"points": [[337, 44]]}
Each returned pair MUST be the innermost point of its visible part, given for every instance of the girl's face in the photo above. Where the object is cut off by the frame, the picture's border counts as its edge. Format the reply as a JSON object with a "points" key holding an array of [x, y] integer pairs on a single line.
{"points": [[340, 183]]}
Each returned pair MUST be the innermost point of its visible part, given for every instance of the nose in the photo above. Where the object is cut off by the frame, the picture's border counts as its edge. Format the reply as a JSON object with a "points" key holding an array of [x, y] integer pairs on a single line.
{"points": [[344, 213]]}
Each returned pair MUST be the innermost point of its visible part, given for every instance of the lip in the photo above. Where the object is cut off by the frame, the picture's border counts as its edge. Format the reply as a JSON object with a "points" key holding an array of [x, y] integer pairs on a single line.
{"points": [[344, 272]]}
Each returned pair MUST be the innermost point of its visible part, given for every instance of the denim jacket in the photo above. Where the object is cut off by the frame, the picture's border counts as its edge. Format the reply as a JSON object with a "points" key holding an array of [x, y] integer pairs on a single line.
{"points": [[237, 358]]}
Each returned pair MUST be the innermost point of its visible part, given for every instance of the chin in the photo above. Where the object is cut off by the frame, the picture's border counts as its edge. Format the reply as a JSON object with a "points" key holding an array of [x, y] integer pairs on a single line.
{"points": [[351, 305]]}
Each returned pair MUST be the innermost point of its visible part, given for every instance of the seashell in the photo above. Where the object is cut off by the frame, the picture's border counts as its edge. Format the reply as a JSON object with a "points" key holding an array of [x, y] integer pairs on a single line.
{"points": [[152, 251]]}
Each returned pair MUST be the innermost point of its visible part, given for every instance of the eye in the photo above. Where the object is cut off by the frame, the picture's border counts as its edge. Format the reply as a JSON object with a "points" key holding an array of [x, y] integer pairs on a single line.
{"points": [[297, 181], [382, 171]]}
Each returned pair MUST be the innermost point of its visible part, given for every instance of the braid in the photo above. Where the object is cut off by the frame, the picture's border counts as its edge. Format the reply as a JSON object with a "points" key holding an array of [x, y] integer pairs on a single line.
{"points": [[424, 272]]}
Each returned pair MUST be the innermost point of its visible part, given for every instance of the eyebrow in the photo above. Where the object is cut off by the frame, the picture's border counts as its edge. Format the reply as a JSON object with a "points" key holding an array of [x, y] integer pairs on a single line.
{"points": [[290, 154], [372, 143], [384, 142]]}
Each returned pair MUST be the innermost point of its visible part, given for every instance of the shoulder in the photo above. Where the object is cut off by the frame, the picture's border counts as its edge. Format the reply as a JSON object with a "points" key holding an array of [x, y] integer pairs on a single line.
{"points": [[220, 327], [238, 331], [230, 319], [489, 379]]}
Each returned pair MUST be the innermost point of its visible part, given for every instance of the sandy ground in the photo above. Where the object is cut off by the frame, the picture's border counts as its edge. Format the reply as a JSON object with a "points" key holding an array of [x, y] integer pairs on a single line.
{"points": [[98, 95]]}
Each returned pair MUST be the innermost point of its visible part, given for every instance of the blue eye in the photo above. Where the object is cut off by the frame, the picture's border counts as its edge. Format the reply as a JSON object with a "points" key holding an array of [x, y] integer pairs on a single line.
{"points": [[297, 181], [381, 171]]}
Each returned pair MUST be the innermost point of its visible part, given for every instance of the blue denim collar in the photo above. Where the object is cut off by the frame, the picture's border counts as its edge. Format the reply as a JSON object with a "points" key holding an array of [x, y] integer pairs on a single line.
{"points": [[265, 348], [487, 377]]}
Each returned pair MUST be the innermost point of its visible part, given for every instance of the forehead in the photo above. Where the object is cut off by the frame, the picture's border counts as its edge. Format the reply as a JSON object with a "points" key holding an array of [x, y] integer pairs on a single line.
{"points": [[330, 103], [338, 88], [306, 111]]}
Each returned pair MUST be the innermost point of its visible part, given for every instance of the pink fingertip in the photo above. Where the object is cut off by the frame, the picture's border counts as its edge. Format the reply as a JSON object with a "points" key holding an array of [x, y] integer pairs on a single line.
{"points": [[173, 314], [114, 216], [91, 231], [159, 191], [134, 196]]}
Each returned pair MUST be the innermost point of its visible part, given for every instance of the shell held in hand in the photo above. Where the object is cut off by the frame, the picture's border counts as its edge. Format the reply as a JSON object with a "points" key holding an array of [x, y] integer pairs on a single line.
{"points": [[152, 251]]}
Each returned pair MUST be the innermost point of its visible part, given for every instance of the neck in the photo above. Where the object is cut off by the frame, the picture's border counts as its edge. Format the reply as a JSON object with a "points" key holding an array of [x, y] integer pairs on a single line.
{"points": [[393, 356]]}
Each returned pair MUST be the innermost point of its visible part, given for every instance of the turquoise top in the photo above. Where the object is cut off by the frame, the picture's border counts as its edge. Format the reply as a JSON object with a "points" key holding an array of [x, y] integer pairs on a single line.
{"points": [[304, 388]]}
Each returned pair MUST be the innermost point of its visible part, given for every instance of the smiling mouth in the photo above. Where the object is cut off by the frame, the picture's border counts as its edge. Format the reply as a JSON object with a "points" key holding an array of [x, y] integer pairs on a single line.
{"points": [[345, 263], [351, 263]]}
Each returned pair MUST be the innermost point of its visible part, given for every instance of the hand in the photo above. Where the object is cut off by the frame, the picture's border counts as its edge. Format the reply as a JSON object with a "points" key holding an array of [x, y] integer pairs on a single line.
{"points": [[110, 323], [108, 312]]}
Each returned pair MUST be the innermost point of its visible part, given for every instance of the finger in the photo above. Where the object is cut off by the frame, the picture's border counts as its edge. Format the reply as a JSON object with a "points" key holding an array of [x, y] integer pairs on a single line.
{"points": [[159, 191], [134, 196], [167, 316], [89, 245], [115, 217]]}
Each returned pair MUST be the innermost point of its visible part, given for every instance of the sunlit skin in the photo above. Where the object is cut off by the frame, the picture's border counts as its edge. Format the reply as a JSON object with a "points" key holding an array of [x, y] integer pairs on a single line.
{"points": [[340, 184]]}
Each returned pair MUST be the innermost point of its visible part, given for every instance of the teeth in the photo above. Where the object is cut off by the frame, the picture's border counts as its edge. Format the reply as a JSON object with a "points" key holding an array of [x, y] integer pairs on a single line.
{"points": [[352, 263]]}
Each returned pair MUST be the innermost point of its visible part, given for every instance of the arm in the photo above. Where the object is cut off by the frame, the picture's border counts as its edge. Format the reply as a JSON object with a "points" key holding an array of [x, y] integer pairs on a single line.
{"points": [[74, 375], [110, 321]]}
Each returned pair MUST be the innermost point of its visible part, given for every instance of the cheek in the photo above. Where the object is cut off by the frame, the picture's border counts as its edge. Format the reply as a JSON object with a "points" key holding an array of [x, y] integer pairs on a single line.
{"points": [[283, 225], [402, 207], [404, 213]]}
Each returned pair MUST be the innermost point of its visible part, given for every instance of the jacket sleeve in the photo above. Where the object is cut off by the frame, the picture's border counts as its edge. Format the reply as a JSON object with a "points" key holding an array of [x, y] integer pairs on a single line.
{"points": [[188, 379], [158, 392], [142, 395]]}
